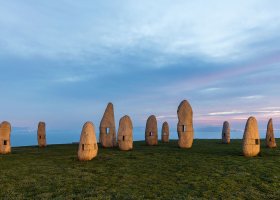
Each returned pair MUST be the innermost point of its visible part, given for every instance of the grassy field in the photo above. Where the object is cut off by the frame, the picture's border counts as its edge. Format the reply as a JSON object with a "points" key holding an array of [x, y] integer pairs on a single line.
{"points": [[209, 170]]}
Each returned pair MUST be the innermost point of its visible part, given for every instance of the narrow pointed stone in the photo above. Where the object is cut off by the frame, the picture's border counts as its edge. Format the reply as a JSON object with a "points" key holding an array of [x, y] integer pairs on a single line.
{"points": [[41, 134], [185, 125], [107, 128], [270, 139], [226, 133], [125, 134], [5, 137], [151, 132], [251, 138], [165, 132], [88, 147]]}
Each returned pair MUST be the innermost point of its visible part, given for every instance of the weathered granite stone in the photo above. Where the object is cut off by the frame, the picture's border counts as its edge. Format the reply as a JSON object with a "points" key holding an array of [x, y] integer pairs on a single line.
{"points": [[151, 133], [251, 138], [125, 134], [41, 134], [5, 137], [185, 125], [88, 147], [270, 139], [107, 128], [226, 133], [165, 132]]}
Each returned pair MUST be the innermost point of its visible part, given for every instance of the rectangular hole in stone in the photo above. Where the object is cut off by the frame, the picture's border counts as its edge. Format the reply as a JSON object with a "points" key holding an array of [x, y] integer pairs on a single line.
{"points": [[83, 147], [40, 137], [107, 130], [257, 141], [151, 133], [184, 128], [5, 142], [123, 138]]}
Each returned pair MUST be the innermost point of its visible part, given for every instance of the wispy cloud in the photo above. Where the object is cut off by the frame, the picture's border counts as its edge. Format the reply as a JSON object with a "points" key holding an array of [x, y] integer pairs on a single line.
{"points": [[271, 108], [225, 113], [166, 116], [72, 79], [252, 97], [268, 111], [64, 55], [239, 118], [80, 34], [210, 90]]}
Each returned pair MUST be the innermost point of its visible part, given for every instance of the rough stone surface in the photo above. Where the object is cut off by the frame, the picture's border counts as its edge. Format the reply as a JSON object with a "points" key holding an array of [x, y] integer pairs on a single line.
{"points": [[165, 132], [226, 133], [41, 134], [251, 138], [88, 147], [125, 134], [107, 128], [5, 137], [270, 139], [185, 125], [151, 132]]}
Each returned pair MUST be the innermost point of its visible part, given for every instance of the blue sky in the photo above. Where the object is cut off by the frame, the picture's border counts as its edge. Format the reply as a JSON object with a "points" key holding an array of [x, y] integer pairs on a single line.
{"points": [[63, 61]]}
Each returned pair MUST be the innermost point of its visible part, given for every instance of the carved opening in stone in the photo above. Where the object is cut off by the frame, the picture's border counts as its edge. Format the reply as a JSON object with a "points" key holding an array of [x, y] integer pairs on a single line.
{"points": [[257, 141], [40, 137], [270, 139], [184, 128], [5, 142], [123, 138], [224, 134], [107, 130], [83, 147], [151, 134]]}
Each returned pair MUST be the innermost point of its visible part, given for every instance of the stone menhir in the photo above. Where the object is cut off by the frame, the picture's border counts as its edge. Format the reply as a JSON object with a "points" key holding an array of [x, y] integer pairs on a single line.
{"points": [[251, 138], [41, 134], [151, 132], [226, 133], [125, 134], [270, 139], [107, 136], [5, 137], [185, 125], [165, 132], [88, 147]]}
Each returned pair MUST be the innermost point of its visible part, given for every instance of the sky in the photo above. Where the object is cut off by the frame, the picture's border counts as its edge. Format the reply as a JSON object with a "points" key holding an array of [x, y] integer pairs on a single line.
{"points": [[62, 61]]}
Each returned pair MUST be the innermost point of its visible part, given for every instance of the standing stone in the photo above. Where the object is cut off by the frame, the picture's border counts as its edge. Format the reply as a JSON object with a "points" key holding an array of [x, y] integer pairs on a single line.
{"points": [[226, 133], [251, 138], [270, 139], [165, 132], [5, 137], [151, 132], [88, 147], [41, 134], [125, 134], [185, 125], [107, 128]]}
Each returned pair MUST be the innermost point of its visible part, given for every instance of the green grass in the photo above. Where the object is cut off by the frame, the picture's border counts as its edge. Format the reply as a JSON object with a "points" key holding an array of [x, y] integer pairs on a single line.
{"points": [[209, 170]]}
